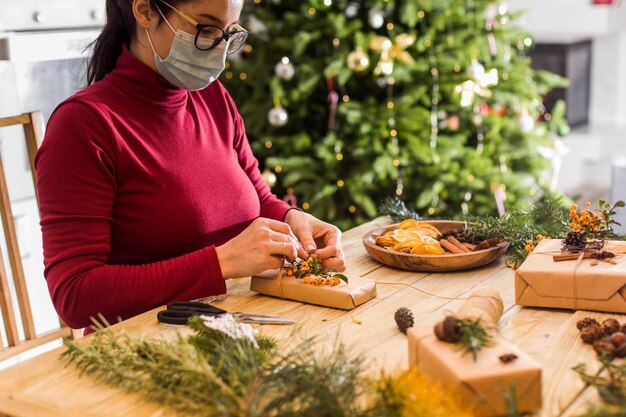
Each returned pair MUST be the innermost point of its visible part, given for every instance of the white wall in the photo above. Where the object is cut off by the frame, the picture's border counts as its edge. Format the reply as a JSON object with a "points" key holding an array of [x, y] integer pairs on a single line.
{"points": [[562, 20]]}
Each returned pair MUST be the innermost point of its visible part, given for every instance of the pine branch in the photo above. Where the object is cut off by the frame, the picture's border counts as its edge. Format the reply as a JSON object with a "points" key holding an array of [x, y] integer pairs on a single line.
{"points": [[612, 386], [473, 337], [396, 209]]}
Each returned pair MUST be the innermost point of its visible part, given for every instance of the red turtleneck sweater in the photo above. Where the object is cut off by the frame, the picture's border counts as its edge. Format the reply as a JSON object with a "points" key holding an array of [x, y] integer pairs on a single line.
{"points": [[138, 181]]}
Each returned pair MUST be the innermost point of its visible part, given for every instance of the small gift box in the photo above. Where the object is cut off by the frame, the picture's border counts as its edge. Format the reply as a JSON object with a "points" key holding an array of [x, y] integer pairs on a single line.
{"points": [[343, 296], [487, 384], [578, 284]]}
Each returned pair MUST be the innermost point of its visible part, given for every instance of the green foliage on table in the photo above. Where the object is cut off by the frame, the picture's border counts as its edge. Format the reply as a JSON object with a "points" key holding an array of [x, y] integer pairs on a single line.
{"points": [[342, 173], [595, 411], [611, 386], [210, 373]]}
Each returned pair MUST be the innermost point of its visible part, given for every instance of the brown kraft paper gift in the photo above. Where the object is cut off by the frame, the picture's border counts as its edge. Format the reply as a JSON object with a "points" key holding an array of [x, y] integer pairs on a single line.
{"points": [[576, 285], [487, 383], [342, 296]]}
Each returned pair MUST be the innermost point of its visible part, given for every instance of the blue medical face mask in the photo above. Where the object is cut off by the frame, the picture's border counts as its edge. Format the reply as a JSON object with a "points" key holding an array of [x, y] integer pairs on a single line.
{"points": [[188, 67]]}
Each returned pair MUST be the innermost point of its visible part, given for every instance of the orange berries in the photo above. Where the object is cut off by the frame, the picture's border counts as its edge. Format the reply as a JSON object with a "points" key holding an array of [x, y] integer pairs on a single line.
{"points": [[311, 272], [585, 221], [530, 246]]}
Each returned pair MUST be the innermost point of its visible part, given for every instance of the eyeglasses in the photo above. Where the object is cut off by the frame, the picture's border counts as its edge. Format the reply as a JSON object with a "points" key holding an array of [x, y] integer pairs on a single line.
{"points": [[209, 36]]}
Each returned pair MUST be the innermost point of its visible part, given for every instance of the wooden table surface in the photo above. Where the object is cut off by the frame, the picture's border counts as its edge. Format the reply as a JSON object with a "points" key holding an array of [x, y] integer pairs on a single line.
{"points": [[44, 386]]}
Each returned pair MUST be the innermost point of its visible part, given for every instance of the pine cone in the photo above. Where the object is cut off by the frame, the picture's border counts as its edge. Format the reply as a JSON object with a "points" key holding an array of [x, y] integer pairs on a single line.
{"points": [[575, 240], [507, 357], [404, 319], [448, 330], [604, 345], [586, 322], [623, 329], [591, 333], [610, 326]]}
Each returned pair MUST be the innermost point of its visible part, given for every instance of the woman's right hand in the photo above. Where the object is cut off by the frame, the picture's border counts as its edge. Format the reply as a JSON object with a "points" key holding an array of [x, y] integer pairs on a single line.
{"points": [[261, 246]]}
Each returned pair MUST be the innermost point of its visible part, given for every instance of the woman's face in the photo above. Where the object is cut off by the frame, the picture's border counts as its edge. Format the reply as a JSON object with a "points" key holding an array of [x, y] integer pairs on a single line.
{"points": [[221, 13]]}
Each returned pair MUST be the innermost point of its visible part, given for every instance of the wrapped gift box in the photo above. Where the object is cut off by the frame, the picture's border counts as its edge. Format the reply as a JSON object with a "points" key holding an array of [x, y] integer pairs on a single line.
{"points": [[576, 284], [485, 384], [343, 296]]}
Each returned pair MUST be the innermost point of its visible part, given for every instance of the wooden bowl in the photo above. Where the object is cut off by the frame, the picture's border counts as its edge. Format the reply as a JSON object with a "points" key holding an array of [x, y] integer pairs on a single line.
{"points": [[432, 263]]}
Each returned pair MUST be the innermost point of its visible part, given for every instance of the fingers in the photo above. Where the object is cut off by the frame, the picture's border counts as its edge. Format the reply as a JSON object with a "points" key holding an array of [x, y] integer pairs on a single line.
{"points": [[280, 227], [307, 243], [284, 249], [332, 256], [336, 263], [327, 252], [276, 262]]}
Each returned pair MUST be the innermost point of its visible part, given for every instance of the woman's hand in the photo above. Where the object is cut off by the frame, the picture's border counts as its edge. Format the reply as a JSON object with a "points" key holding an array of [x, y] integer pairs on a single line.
{"points": [[261, 246], [319, 238]]}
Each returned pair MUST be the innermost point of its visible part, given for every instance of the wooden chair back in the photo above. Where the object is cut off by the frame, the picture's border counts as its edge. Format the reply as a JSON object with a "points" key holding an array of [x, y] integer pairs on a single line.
{"points": [[33, 125]]}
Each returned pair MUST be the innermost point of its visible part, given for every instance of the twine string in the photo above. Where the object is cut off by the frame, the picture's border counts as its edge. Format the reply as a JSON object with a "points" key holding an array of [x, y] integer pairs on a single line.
{"points": [[281, 270], [422, 291], [579, 262]]}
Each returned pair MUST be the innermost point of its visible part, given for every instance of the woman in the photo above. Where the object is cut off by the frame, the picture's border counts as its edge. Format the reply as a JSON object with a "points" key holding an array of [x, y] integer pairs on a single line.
{"points": [[147, 185]]}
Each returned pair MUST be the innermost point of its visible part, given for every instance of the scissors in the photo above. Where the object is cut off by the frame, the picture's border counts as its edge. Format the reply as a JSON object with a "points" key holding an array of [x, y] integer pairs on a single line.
{"points": [[179, 312]]}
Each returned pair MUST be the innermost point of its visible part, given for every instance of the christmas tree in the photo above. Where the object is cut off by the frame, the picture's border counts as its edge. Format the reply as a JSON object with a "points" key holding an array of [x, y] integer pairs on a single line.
{"points": [[348, 102]]}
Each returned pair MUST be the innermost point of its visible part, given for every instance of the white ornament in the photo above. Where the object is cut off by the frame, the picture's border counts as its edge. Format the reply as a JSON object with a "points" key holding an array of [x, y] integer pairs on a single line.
{"points": [[476, 70], [278, 116], [467, 91], [526, 122], [489, 78], [352, 10], [376, 18], [284, 69], [269, 178]]}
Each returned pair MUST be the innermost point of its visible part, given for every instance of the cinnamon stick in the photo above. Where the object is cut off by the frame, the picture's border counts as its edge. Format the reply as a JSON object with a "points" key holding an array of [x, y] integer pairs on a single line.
{"points": [[486, 244], [450, 247], [469, 246], [571, 257], [458, 244]]}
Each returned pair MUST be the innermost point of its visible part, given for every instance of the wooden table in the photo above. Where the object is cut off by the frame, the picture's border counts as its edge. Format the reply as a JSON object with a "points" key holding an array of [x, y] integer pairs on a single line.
{"points": [[44, 386]]}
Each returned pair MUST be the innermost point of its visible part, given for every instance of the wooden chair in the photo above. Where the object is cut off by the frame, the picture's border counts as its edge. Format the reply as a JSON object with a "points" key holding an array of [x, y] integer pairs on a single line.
{"points": [[33, 124]]}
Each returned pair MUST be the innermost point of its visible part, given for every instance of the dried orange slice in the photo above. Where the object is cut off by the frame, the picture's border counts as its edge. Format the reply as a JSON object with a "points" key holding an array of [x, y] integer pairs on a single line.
{"points": [[406, 246], [404, 235], [427, 229], [405, 224], [385, 241], [428, 249]]}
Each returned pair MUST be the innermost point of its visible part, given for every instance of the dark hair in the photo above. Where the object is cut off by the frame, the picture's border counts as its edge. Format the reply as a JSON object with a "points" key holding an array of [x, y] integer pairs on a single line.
{"points": [[118, 30]]}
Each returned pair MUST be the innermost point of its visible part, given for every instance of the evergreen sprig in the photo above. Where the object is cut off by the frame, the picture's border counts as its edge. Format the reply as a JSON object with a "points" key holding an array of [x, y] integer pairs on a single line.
{"points": [[395, 208], [596, 411], [473, 336], [612, 385], [211, 374]]}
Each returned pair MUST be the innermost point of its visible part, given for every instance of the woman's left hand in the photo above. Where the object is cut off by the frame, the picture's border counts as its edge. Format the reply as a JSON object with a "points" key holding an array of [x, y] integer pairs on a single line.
{"points": [[318, 238]]}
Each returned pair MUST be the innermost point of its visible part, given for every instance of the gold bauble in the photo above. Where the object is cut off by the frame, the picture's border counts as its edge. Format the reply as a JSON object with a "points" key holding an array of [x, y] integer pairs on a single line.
{"points": [[358, 60], [269, 177]]}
